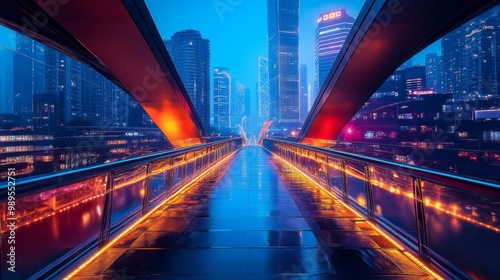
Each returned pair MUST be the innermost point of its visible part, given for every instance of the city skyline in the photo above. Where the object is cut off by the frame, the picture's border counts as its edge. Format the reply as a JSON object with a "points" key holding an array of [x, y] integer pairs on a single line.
{"points": [[164, 139], [241, 50]]}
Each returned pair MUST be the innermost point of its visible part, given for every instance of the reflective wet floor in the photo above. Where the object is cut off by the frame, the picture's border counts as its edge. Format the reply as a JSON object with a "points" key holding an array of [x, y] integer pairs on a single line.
{"points": [[253, 218]]}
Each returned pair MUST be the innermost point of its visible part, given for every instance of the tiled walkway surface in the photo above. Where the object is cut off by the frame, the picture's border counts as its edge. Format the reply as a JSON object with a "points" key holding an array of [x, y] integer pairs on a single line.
{"points": [[260, 221]]}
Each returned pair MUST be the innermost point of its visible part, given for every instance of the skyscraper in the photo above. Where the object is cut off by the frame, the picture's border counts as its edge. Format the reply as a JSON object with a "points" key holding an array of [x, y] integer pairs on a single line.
{"points": [[283, 47], [452, 71], [57, 83], [414, 78], [29, 76], [481, 46], [303, 93], [333, 28], [238, 105], [81, 93], [191, 56], [222, 97], [263, 89], [432, 72], [6, 80]]}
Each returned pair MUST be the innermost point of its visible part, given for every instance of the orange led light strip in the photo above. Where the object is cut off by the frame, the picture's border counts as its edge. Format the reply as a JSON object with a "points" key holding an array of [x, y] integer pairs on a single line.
{"points": [[127, 230], [116, 187], [428, 203], [398, 246]]}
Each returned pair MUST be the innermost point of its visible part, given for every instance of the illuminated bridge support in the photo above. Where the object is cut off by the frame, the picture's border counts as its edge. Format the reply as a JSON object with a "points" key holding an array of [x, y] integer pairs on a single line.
{"points": [[448, 220], [386, 34], [119, 40]]}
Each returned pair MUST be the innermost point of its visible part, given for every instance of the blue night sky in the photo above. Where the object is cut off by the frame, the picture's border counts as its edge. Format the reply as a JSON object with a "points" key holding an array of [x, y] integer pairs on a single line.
{"points": [[238, 35], [238, 32]]}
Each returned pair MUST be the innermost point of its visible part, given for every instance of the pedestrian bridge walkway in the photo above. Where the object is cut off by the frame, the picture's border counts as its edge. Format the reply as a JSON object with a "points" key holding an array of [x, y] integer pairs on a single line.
{"points": [[252, 217]]}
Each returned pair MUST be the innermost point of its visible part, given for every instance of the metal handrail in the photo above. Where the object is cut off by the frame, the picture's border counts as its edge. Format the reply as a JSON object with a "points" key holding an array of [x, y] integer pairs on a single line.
{"points": [[39, 183], [420, 243], [441, 178]]}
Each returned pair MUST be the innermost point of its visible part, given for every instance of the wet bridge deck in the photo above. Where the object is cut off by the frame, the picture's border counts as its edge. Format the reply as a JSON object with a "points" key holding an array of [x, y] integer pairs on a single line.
{"points": [[253, 218]]}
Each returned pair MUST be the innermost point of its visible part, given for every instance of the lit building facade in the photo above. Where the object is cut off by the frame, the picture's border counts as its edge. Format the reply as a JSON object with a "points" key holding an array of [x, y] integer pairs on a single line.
{"points": [[263, 89], [191, 56], [6, 79], [432, 71], [238, 106], [333, 28], [304, 96], [481, 45], [283, 44], [222, 97], [452, 64], [28, 66]]}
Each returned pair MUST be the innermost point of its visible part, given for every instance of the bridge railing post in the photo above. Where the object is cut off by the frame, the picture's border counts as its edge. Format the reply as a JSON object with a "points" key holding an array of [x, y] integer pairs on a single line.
{"points": [[343, 176], [370, 206], [423, 241], [147, 188], [106, 217]]}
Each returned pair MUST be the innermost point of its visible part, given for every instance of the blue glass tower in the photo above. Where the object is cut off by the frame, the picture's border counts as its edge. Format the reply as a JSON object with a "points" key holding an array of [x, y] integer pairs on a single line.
{"points": [[222, 97], [191, 56], [333, 28], [283, 44]]}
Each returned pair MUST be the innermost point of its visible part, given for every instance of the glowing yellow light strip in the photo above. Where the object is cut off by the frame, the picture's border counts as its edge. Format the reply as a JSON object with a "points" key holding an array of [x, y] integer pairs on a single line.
{"points": [[118, 186], [398, 246], [127, 230], [440, 206]]}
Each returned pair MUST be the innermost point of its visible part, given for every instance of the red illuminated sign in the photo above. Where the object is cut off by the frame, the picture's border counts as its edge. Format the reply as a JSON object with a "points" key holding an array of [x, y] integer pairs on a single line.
{"points": [[330, 15]]}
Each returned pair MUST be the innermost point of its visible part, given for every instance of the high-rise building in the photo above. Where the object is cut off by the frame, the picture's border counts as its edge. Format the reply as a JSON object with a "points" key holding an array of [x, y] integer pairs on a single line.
{"points": [[29, 76], [44, 114], [191, 56], [238, 105], [6, 82], [248, 123], [263, 90], [481, 46], [120, 106], [96, 97], [394, 88], [452, 65], [333, 28], [82, 94], [414, 78], [222, 97], [283, 47], [303, 93], [432, 71]]}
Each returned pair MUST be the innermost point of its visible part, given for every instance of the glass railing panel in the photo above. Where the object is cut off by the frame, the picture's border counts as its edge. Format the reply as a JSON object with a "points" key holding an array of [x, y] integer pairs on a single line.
{"points": [[160, 178], [464, 228], [393, 198], [356, 188], [322, 168], [189, 164], [335, 173], [128, 192], [312, 167], [178, 166], [198, 165], [61, 219]]}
